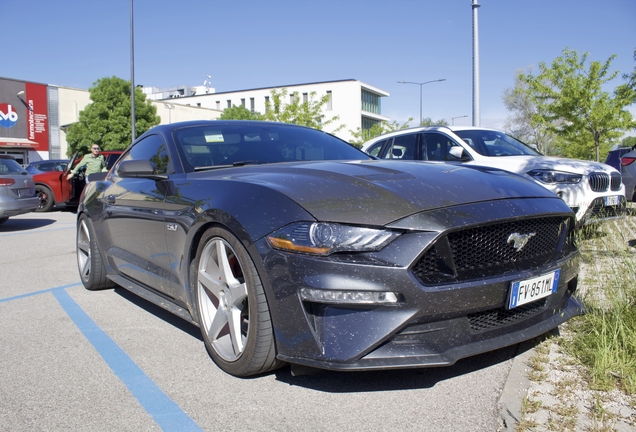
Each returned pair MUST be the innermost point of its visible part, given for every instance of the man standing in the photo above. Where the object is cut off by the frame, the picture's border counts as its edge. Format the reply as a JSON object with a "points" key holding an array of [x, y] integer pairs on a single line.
{"points": [[94, 163]]}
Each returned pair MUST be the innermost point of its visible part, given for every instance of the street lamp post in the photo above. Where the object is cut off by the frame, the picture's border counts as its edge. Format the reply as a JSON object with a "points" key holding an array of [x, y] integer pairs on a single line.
{"points": [[169, 107], [453, 119], [132, 73], [421, 84]]}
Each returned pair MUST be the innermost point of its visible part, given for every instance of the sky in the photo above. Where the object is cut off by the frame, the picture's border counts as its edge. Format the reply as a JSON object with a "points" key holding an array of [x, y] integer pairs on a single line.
{"points": [[243, 44]]}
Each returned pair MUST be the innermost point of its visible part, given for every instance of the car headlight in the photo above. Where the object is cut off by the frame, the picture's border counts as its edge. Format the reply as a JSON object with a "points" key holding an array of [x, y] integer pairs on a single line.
{"points": [[320, 238], [552, 176]]}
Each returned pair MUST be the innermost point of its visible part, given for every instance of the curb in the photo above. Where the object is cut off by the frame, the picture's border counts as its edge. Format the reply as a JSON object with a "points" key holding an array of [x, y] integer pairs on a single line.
{"points": [[516, 386]]}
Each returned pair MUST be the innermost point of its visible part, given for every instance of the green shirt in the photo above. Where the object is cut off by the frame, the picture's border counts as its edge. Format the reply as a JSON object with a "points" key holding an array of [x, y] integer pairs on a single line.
{"points": [[93, 164]]}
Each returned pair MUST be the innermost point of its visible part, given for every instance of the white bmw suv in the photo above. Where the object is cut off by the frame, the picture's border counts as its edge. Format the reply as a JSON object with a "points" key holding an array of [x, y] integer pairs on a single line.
{"points": [[594, 191]]}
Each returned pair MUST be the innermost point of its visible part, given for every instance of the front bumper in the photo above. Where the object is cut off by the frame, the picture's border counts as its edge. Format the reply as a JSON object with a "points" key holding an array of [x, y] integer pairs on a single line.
{"points": [[591, 206], [432, 325]]}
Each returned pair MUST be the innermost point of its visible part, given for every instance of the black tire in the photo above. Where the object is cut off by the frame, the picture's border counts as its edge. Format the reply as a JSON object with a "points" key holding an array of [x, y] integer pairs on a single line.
{"points": [[89, 259], [47, 199], [3, 220], [232, 292]]}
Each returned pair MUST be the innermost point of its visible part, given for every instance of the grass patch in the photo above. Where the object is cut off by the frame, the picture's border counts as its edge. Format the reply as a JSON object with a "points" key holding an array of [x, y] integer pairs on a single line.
{"points": [[605, 338]]}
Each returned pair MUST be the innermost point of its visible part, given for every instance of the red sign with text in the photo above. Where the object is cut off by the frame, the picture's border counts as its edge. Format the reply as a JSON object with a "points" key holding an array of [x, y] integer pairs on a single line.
{"points": [[37, 115]]}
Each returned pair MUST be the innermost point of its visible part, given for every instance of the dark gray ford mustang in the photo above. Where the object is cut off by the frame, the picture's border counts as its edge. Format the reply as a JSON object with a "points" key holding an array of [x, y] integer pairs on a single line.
{"points": [[286, 244]]}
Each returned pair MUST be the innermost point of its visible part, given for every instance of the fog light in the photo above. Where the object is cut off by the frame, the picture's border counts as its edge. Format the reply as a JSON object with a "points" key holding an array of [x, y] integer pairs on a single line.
{"points": [[348, 297]]}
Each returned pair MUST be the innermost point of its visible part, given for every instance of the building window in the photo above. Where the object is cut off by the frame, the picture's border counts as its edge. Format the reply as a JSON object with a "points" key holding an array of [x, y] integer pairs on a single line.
{"points": [[243, 102], [229, 103], [292, 97], [367, 123], [329, 105], [305, 98], [252, 105], [266, 103], [218, 105], [370, 102]]}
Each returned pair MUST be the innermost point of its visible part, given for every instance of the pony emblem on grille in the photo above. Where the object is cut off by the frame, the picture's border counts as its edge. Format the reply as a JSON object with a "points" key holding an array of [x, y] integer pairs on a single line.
{"points": [[520, 240]]}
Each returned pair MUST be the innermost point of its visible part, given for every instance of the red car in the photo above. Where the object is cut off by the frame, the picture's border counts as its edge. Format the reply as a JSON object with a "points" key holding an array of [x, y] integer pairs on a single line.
{"points": [[52, 187]]}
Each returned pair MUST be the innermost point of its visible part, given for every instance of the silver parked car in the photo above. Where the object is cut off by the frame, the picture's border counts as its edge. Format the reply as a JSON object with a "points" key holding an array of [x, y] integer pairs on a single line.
{"points": [[17, 190], [628, 170]]}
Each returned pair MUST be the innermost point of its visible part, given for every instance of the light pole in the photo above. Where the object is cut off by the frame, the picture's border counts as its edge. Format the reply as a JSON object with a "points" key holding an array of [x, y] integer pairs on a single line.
{"points": [[421, 84], [132, 73], [453, 119], [169, 107]]}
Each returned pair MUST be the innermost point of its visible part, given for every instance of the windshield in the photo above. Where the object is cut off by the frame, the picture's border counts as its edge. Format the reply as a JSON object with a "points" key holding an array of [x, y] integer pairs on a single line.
{"points": [[493, 143], [220, 145]]}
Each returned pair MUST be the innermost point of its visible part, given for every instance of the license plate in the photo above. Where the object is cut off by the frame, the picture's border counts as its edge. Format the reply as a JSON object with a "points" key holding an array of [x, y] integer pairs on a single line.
{"points": [[23, 192], [612, 200], [529, 290]]}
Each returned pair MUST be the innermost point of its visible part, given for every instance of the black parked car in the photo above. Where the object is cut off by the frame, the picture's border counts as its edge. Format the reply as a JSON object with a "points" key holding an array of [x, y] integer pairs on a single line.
{"points": [[286, 244]]}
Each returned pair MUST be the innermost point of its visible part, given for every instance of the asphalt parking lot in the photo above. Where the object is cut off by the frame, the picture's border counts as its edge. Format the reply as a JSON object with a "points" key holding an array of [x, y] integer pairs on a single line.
{"points": [[78, 360]]}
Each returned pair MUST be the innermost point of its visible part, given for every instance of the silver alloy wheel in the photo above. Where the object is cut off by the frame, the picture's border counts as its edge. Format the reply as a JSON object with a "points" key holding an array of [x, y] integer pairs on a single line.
{"points": [[223, 303], [84, 251]]}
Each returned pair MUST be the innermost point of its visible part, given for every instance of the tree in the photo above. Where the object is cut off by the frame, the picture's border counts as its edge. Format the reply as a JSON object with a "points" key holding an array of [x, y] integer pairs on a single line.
{"points": [[107, 120], [305, 113], [240, 113], [360, 136], [629, 141], [628, 90], [571, 102], [526, 123], [427, 121]]}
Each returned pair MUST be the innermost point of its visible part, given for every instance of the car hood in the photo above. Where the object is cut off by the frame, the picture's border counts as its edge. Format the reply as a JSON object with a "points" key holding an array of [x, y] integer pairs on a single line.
{"points": [[380, 192], [523, 164]]}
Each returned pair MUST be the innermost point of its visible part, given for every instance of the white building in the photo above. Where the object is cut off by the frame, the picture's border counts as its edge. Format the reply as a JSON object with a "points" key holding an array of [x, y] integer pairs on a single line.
{"points": [[356, 104]]}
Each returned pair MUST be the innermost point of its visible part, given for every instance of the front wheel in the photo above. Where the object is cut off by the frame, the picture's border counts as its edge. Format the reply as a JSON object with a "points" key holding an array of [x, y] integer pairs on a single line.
{"points": [[89, 259], [232, 309], [47, 200]]}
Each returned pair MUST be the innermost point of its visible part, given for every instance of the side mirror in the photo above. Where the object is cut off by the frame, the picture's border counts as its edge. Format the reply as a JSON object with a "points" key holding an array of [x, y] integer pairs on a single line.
{"points": [[396, 153], [139, 168], [456, 151], [100, 176]]}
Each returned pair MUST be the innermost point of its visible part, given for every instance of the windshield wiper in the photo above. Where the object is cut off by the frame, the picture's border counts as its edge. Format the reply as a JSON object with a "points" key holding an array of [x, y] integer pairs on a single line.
{"points": [[234, 164], [247, 162], [210, 167]]}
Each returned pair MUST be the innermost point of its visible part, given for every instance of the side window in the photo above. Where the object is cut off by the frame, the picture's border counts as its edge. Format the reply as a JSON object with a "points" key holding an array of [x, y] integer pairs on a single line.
{"points": [[153, 149], [436, 147], [375, 148], [403, 147]]}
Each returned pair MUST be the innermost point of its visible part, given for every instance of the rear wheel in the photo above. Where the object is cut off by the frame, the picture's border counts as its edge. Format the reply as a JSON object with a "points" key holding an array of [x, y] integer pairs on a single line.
{"points": [[232, 309], [47, 200], [89, 259]]}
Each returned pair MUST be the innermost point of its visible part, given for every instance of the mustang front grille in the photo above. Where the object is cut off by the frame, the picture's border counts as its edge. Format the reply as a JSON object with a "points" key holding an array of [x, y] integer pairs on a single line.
{"points": [[494, 249]]}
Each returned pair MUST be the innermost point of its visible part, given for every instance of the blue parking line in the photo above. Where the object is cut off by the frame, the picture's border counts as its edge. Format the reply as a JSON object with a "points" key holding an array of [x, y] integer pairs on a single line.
{"points": [[163, 410], [8, 299]]}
